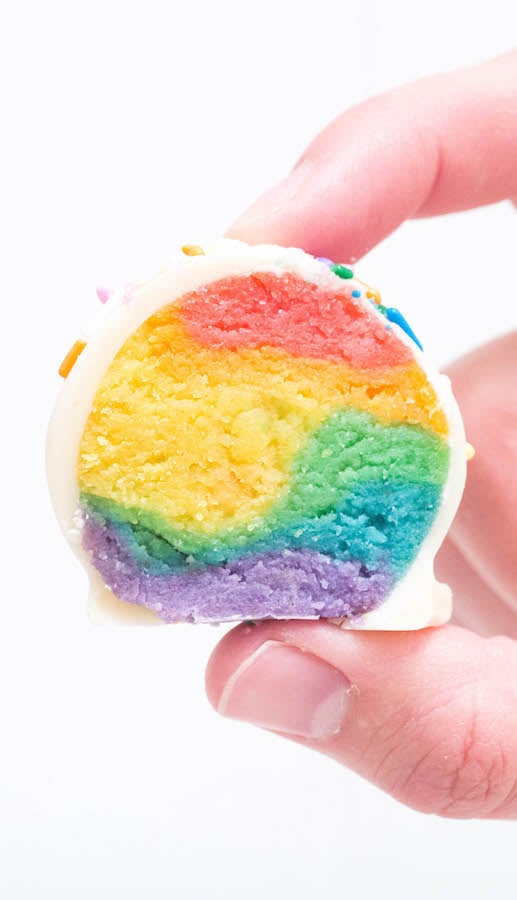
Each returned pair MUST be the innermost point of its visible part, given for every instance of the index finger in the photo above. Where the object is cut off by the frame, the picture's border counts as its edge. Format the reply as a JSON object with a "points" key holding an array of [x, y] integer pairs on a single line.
{"points": [[442, 144]]}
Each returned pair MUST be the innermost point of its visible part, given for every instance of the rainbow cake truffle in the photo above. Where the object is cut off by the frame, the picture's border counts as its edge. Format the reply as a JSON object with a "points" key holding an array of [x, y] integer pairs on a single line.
{"points": [[252, 434]]}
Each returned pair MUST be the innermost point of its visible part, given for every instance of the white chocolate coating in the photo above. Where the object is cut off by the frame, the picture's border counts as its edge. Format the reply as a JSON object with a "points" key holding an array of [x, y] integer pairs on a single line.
{"points": [[417, 601]]}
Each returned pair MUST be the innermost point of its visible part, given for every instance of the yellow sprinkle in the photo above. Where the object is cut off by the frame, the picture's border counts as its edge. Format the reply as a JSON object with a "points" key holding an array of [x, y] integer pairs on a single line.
{"points": [[374, 295], [470, 451], [192, 250], [371, 293], [71, 358]]}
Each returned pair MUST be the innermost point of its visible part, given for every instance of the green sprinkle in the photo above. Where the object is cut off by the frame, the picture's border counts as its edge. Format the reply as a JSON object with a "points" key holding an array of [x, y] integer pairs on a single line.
{"points": [[342, 271], [381, 309]]}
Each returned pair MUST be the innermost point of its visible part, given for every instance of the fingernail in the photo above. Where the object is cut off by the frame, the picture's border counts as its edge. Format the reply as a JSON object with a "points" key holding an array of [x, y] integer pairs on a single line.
{"points": [[274, 200], [284, 689]]}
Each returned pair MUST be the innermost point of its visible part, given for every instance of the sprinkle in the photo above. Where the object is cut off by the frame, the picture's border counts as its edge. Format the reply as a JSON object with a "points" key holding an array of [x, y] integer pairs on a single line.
{"points": [[356, 293], [374, 295], [192, 250], [71, 358], [469, 451], [342, 271], [394, 315], [103, 293], [326, 260]]}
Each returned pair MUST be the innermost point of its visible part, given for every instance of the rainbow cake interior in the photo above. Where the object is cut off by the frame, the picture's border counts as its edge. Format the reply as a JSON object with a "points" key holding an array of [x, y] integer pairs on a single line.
{"points": [[262, 447]]}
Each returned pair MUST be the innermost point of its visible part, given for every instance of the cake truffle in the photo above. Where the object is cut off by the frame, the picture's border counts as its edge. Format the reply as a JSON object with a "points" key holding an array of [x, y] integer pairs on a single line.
{"points": [[252, 434]]}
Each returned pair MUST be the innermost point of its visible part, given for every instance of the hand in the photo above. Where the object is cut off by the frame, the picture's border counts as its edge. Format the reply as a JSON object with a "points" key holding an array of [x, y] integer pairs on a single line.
{"points": [[429, 716]]}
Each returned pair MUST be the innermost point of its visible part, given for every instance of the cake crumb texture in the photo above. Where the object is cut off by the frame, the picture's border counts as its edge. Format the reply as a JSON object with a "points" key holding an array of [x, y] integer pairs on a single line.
{"points": [[265, 440]]}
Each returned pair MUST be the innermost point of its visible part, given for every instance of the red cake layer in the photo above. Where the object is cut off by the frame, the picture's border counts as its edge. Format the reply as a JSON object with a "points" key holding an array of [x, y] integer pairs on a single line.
{"points": [[286, 312]]}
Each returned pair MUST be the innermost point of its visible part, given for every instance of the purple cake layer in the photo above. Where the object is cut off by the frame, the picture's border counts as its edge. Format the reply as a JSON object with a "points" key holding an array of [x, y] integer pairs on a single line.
{"points": [[288, 584]]}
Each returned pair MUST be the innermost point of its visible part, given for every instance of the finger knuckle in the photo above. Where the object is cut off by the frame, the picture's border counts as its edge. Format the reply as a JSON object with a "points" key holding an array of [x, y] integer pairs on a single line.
{"points": [[458, 770]]}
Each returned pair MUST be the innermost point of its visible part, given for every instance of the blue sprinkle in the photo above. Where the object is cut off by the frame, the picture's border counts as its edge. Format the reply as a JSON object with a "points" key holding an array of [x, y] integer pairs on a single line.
{"points": [[356, 293], [394, 315], [324, 259]]}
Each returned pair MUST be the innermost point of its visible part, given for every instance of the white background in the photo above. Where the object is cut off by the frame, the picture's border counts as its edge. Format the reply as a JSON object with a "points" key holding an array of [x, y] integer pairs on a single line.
{"points": [[132, 128]]}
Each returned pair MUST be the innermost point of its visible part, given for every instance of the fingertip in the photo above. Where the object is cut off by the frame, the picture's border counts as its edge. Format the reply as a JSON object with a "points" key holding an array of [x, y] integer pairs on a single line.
{"points": [[296, 213], [257, 676], [279, 215], [243, 641]]}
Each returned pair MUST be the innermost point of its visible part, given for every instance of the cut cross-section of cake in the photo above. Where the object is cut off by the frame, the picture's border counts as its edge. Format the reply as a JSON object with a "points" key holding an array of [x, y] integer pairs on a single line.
{"points": [[251, 434]]}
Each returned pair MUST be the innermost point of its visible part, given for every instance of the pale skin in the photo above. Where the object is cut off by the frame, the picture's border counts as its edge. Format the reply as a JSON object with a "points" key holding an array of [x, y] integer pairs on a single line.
{"points": [[428, 716]]}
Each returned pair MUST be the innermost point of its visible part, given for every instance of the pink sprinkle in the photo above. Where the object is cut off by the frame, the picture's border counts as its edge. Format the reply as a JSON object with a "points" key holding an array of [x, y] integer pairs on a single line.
{"points": [[103, 293]]}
